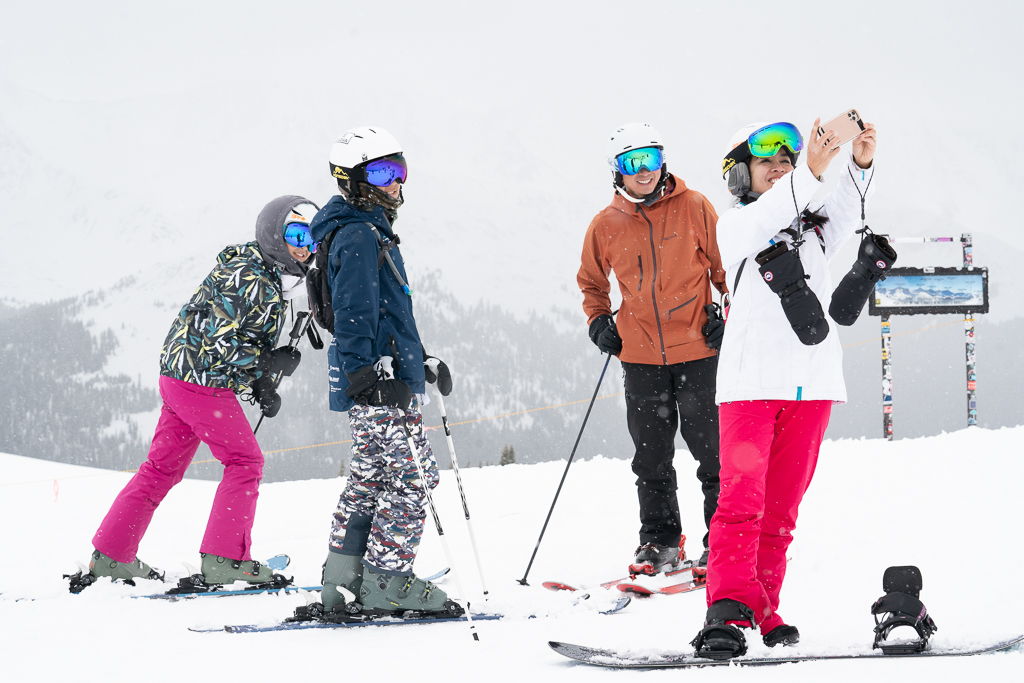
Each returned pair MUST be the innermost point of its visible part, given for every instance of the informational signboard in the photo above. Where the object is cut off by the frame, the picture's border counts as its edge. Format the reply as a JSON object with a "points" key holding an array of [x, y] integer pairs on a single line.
{"points": [[913, 291]]}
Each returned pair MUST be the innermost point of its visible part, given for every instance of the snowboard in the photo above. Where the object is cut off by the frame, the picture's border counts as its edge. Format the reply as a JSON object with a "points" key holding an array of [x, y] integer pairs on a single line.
{"points": [[623, 659]]}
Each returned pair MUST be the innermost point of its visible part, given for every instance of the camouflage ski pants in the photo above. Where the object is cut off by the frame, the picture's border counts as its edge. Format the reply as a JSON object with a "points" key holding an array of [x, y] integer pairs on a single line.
{"points": [[381, 511]]}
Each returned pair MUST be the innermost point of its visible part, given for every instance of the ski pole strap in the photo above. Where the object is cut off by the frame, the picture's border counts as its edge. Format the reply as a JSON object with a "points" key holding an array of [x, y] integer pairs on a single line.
{"points": [[385, 254]]}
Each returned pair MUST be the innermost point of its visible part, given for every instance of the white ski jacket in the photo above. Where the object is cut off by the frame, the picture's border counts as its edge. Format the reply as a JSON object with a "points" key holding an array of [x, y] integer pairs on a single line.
{"points": [[761, 357]]}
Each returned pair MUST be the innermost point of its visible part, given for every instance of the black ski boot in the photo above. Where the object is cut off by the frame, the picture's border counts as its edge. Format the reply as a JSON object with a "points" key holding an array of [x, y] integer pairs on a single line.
{"points": [[783, 634], [901, 606], [720, 639], [654, 558]]}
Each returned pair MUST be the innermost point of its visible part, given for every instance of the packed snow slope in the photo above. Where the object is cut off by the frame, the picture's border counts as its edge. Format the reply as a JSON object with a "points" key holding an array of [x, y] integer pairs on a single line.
{"points": [[949, 504]]}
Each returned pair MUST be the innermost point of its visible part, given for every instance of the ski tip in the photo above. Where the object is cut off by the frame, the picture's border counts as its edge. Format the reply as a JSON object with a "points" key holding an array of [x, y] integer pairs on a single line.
{"points": [[558, 586], [278, 562]]}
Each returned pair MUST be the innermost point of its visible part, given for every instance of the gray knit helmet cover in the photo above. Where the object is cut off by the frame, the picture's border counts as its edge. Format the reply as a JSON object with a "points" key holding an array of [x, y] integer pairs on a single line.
{"points": [[270, 233]]}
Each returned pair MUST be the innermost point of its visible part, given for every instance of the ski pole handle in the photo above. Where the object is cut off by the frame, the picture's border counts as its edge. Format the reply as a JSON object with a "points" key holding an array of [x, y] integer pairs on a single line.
{"points": [[385, 367]]}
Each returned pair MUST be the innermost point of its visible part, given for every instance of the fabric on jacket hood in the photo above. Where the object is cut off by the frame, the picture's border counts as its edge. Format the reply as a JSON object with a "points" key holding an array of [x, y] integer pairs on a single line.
{"points": [[270, 233]]}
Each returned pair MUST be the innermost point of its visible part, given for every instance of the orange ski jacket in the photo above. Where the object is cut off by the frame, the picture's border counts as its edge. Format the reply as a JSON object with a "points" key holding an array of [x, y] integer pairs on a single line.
{"points": [[665, 258]]}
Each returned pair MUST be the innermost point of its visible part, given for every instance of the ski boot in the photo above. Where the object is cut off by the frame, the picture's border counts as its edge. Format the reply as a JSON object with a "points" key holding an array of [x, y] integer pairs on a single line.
{"points": [[721, 637], [700, 570], [216, 571], [342, 578], [784, 634], [654, 558], [384, 594], [101, 565], [901, 608]]}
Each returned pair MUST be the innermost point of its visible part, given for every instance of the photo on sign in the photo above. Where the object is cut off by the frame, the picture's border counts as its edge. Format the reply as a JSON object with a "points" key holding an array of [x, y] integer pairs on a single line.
{"points": [[912, 291]]}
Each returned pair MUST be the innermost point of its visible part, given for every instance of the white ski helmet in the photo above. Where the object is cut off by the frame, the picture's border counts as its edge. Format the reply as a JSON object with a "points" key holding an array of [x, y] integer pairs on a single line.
{"points": [[632, 136], [350, 152]]}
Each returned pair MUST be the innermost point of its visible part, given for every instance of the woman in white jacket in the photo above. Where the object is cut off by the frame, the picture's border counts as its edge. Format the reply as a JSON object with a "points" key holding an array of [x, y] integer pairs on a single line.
{"points": [[780, 367]]}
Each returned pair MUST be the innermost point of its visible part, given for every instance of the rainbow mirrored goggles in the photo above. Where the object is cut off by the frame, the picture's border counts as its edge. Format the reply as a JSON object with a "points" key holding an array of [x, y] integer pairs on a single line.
{"points": [[299, 236], [382, 172], [765, 142], [636, 160]]}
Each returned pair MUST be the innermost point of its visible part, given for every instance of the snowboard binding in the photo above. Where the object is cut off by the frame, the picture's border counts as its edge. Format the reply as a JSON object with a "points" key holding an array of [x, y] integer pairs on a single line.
{"points": [[721, 637], [901, 606]]}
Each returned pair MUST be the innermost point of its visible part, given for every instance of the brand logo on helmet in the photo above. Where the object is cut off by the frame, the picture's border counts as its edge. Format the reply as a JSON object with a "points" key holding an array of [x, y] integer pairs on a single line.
{"points": [[727, 164], [346, 138], [768, 276], [365, 158], [338, 172], [880, 264]]}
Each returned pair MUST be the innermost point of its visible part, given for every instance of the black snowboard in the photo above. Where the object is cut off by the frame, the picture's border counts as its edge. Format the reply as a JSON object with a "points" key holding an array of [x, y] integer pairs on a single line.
{"points": [[681, 660]]}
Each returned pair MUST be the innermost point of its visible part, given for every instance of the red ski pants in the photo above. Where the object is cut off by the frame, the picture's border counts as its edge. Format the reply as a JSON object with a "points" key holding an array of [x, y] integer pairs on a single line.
{"points": [[191, 413], [768, 453]]}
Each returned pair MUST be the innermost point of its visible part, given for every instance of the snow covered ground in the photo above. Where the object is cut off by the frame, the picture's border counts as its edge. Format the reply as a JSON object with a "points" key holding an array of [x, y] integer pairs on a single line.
{"points": [[949, 504]]}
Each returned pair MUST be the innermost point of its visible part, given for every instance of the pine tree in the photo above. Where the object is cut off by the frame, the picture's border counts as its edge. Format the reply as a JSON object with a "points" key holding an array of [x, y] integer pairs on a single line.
{"points": [[508, 456]]}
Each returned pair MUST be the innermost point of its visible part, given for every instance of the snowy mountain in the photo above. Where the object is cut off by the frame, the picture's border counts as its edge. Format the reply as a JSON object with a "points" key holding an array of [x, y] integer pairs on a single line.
{"points": [[931, 502], [133, 150]]}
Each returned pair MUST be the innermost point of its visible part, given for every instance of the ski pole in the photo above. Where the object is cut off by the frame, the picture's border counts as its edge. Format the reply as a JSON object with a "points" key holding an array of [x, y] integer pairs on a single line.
{"points": [[462, 491], [566, 472], [385, 370], [301, 326]]}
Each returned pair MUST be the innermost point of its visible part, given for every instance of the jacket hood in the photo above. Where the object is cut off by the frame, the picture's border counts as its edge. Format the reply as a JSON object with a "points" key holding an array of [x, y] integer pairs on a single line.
{"points": [[339, 212], [674, 188], [270, 233]]}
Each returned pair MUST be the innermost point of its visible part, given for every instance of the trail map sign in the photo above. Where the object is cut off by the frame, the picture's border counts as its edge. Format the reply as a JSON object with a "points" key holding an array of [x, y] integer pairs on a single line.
{"points": [[918, 291]]}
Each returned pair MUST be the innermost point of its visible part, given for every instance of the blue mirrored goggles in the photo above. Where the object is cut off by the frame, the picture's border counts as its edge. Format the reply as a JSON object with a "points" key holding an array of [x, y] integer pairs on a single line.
{"points": [[636, 160], [299, 236], [383, 172]]}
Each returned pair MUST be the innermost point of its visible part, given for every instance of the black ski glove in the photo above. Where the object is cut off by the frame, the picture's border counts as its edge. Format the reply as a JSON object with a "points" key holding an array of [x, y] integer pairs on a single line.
{"points": [[366, 387], [783, 272], [874, 259], [437, 370], [284, 360], [714, 328], [605, 336], [265, 395]]}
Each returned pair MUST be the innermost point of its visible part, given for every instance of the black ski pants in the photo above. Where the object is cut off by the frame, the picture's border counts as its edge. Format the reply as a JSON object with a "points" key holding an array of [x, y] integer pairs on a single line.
{"points": [[660, 398]]}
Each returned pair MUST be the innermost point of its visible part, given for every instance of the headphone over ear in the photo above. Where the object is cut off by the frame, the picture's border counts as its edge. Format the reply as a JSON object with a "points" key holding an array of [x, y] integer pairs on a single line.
{"points": [[738, 179]]}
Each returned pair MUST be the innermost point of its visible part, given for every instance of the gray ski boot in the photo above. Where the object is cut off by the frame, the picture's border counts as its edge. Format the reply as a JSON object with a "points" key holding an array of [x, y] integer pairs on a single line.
{"points": [[342, 578], [384, 594], [219, 570], [101, 565]]}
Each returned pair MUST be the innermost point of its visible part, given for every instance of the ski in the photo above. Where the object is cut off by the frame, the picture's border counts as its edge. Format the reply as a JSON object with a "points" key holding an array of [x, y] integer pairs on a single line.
{"points": [[354, 623], [646, 592], [623, 659], [688, 566], [619, 604], [269, 590]]}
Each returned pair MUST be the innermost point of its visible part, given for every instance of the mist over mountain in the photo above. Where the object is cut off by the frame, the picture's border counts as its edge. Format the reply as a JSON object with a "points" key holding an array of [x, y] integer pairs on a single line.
{"points": [[137, 142]]}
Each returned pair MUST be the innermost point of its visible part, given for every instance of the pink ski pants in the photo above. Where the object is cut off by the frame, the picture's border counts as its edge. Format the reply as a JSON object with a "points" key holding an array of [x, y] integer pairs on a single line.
{"points": [[769, 450], [191, 413]]}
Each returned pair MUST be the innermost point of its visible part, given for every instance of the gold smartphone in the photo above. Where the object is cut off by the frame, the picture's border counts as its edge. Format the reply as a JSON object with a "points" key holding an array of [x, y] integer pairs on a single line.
{"points": [[847, 126]]}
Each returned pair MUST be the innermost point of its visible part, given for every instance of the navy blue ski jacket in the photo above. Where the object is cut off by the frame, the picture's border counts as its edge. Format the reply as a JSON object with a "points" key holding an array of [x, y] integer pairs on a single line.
{"points": [[372, 313]]}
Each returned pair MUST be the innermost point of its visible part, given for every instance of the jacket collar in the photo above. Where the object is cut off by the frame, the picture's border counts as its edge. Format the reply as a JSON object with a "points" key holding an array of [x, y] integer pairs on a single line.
{"points": [[674, 187]]}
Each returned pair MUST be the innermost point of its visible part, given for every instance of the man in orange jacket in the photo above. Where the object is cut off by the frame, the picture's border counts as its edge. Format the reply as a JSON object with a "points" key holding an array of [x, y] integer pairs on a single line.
{"points": [[658, 237]]}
